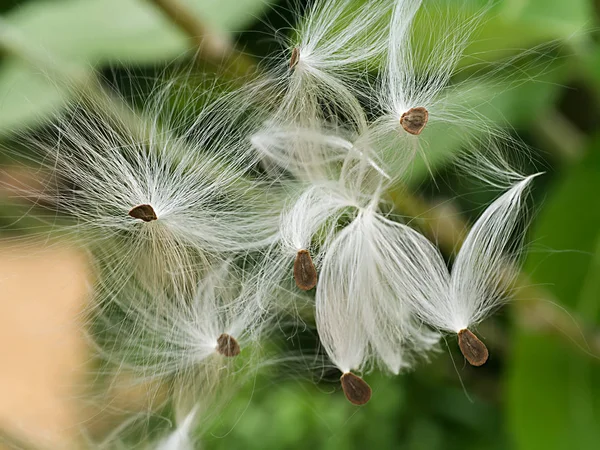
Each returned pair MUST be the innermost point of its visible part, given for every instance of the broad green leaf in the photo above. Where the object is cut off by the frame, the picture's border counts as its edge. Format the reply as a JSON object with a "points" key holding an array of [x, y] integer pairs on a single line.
{"points": [[554, 388], [25, 95], [99, 31], [550, 18], [92, 32]]}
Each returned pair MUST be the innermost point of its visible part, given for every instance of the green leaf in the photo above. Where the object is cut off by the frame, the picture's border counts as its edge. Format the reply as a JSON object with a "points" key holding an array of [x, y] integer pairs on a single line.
{"points": [[554, 389], [93, 32], [100, 31], [26, 97]]}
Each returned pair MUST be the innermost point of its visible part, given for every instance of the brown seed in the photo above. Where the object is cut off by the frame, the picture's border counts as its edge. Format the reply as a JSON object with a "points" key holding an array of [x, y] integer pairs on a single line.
{"points": [[295, 58], [357, 391], [305, 273], [227, 345], [414, 120], [144, 212], [472, 348]]}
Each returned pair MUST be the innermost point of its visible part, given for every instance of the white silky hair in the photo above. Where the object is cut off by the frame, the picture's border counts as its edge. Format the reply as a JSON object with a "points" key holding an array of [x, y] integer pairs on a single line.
{"points": [[181, 437], [317, 154], [482, 272], [362, 314], [158, 333], [196, 179], [332, 45], [417, 73], [317, 206]]}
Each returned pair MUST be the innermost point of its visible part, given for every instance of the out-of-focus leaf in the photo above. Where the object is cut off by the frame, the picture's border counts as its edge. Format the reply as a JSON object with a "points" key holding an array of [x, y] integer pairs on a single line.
{"points": [[91, 32], [550, 18], [554, 390], [25, 95], [506, 27], [97, 31]]}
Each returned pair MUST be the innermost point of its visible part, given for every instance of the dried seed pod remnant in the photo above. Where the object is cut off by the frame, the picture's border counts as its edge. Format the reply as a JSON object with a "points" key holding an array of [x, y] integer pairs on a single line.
{"points": [[305, 273], [143, 212], [414, 120], [227, 345], [472, 348], [295, 58], [357, 391]]}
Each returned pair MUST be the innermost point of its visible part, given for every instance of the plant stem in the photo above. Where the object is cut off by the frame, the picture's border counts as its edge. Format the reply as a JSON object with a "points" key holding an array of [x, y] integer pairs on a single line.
{"points": [[210, 45]]}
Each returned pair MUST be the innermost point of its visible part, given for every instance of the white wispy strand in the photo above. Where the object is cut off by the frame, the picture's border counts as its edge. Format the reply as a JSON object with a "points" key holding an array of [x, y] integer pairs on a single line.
{"points": [[317, 154], [325, 56], [482, 272], [338, 315], [200, 189], [317, 206], [359, 284], [417, 74], [159, 333], [181, 438]]}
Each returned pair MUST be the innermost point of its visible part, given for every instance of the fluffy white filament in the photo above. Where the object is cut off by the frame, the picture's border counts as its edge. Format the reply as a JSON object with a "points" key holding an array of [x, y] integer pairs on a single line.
{"points": [[181, 438], [361, 304], [158, 333], [416, 75], [482, 272], [324, 58], [204, 199]]}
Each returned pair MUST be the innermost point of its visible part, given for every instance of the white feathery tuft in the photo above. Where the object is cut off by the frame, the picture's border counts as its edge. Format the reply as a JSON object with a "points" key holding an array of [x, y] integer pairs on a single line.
{"points": [[169, 332], [326, 55], [359, 284], [482, 272], [415, 93], [181, 438], [168, 201]]}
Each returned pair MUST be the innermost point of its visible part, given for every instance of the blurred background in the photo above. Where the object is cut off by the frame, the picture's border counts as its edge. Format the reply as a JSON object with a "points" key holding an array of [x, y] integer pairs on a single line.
{"points": [[541, 386]]}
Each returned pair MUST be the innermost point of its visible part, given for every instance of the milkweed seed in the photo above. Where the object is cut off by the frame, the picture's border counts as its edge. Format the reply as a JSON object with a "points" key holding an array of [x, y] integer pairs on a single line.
{"points": [[295, 58], [305, 273], [472, 348], [414, 120], [143, 212], [357, 391], [227, 345]]}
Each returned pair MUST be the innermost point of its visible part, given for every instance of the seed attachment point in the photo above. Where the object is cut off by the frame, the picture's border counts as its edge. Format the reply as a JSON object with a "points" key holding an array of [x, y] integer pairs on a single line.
{"points": [[227, 346], [143, 212], [357, 391], [472, 348], [305, 273], [295, 58], [414, 120]]}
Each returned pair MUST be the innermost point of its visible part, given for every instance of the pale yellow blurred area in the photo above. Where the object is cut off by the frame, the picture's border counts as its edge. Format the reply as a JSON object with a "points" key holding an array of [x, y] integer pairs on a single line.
{"points": [[43, 355]]}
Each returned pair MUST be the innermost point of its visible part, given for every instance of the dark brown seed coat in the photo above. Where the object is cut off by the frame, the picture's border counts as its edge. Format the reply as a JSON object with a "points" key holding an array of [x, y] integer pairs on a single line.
{"points": [[414, 120], [143, 212], [472, 348], [294, 58], [227, 345], [357, 391], [305, 273]]}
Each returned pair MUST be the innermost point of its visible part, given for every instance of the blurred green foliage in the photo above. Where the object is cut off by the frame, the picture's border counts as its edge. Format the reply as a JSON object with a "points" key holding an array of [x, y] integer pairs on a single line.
{"points": [[541, 389]]}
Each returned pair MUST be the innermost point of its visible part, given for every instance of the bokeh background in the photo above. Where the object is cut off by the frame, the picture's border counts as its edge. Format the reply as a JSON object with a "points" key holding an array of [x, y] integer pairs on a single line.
{"points": [[541, 386]]}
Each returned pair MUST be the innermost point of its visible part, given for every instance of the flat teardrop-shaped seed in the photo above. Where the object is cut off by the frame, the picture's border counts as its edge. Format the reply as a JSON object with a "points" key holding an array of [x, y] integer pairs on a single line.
{"points": [[357, 391], [227, 345], [414, 120], [295, 58], [305, 273], [143, 212], [472, 348]]}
